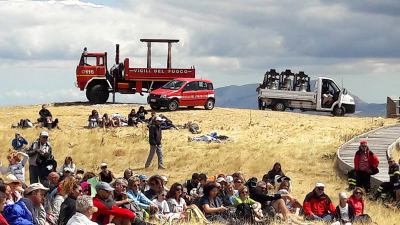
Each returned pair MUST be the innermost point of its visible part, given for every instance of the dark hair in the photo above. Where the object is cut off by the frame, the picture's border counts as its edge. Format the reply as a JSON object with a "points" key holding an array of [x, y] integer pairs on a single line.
{"points": [[141, 109], [156, 178], [251, 183], [87, 176], [202, 176], [172, 191], [277, 164], [2, 187], [195, 176], [68, 157], [3, 195], [208, 187]]}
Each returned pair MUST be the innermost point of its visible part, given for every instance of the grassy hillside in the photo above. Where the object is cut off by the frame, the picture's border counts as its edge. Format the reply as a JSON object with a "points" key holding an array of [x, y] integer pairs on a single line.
{"points": [[304, 144]]}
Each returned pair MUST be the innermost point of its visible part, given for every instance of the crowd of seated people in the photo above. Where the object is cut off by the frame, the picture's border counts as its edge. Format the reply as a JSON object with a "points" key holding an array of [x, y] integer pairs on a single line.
{"points": [[137, 199], [133, 119]]}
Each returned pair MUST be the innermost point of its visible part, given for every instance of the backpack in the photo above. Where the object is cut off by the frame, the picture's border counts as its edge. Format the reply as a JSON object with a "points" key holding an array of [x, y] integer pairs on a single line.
{"points": [[244, 212]]}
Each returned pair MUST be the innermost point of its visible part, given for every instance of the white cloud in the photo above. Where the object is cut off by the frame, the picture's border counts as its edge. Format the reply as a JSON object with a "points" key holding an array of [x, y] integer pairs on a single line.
{"points": [[231, 42]]}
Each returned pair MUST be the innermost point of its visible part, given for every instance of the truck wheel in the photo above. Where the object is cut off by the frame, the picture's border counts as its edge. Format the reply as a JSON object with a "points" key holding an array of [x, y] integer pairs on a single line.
{"points": [[97, 94], [173, 105], [338, 111], [261, 105], [209, 104], [155, 107], [279, 106]]}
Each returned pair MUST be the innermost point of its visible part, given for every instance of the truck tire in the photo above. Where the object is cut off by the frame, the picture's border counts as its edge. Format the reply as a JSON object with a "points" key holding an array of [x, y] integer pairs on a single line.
{"points": [[280, 106], [97, 94], [209, 104], [338, 111], [155, 107], [173, 105]]}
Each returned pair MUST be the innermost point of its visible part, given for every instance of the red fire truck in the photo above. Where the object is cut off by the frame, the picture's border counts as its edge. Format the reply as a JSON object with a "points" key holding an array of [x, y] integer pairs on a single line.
{"points": [[92, 74]]}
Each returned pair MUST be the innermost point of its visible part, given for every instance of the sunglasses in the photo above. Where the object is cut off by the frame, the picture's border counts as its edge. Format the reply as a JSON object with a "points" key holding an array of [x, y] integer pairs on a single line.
{"points": [[358, 193], [244, 192], [179, 189], [238, 181], [321, 188]]}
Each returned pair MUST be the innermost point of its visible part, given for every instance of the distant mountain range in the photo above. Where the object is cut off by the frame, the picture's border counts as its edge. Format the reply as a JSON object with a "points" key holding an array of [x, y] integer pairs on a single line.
{"points": [[245, 97]]}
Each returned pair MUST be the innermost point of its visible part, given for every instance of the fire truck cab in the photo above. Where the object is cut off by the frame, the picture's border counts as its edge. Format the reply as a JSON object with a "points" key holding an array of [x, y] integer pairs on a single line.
{"points": [[93, 75], [188, 92]]}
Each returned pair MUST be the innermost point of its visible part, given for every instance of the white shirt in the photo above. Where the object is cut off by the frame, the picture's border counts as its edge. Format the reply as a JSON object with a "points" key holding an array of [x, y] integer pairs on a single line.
{"points": [[177, 206], [80, 219], [344, 213], [163, 207]]}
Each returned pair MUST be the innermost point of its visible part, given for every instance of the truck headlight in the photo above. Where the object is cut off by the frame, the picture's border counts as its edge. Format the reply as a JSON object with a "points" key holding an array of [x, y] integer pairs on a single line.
{"points": [[163, 96]]}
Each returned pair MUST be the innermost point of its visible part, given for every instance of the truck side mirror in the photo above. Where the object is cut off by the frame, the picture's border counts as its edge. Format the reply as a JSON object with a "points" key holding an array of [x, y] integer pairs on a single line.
{"points": [[344, 91]]}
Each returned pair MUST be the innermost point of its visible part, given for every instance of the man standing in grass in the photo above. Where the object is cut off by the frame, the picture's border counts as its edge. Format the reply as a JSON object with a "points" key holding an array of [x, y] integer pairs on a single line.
{"points": [[155, 137]]}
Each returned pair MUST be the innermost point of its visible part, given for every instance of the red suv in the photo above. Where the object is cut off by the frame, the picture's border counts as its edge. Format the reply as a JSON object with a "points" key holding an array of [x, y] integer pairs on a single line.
{"points": [[188, 92]]}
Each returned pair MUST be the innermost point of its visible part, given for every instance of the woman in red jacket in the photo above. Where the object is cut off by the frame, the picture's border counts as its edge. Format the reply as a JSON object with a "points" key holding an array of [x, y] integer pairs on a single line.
{"points": [[356, 200], [365, 164]]}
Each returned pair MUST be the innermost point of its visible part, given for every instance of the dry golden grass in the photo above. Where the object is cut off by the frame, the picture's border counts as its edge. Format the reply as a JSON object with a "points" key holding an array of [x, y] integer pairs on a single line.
{"points": [[305, 145]]}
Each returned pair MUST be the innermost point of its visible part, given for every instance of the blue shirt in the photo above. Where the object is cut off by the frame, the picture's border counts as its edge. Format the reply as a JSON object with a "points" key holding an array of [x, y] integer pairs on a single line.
{"points": [[18, 143], [139, 198]]}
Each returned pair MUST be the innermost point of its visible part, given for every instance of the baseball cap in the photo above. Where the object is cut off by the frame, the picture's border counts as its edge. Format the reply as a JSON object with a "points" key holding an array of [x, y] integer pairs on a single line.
{"points": [[319, 185], [342, 195], [143, 177], [44, 134], [103, 165], [229, 179], [159, 119], [221, 179], [104, 186], [34, 187], [363, 142]]}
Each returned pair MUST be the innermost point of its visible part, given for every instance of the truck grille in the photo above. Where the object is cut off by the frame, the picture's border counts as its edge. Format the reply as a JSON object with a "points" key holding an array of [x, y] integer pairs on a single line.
{"points": [[154, 96]]}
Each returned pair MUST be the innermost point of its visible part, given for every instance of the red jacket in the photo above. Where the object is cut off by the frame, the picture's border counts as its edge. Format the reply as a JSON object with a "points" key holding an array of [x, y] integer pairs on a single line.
{"points": [[358, 205], [318, 205], [102, 216], [372, 159], [3, 221]]}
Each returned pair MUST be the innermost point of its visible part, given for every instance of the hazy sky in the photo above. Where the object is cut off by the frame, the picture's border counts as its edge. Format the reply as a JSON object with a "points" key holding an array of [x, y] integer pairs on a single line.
{"points": [[232, 42]]}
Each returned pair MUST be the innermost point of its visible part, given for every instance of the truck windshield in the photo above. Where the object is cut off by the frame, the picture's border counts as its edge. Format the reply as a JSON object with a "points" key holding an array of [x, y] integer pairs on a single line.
{"points": [[174, 84]]}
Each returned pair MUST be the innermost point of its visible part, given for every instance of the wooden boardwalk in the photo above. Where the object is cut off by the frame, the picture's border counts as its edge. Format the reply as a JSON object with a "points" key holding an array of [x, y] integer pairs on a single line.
{"points": [[380, 141]]}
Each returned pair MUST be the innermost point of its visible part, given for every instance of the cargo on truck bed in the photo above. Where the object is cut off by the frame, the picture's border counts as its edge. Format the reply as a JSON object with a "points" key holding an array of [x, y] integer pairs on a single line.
{"points": [[280, 91]]}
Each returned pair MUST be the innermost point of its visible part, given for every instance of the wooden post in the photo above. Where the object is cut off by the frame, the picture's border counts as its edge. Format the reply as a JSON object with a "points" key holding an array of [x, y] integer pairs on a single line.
{"points": [[169, 55], [148, 54]]}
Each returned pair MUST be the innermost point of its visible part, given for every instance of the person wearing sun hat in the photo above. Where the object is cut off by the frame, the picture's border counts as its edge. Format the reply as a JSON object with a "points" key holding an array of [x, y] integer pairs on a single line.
{"points": [[16, 188], [40, 147], [34, 198], [317, 205]]}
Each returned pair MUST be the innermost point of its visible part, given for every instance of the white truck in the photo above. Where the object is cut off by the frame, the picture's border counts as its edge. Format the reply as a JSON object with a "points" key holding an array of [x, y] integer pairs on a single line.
{"points": [[279, 92]]}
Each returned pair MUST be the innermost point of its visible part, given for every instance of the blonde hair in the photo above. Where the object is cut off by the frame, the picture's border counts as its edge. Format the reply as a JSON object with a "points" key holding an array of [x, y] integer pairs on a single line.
{"points": [[13, 155], [362, 192]]}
